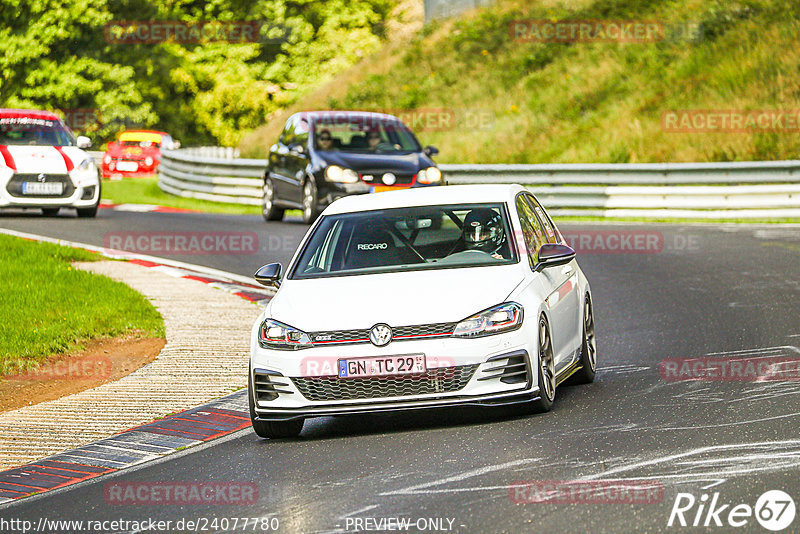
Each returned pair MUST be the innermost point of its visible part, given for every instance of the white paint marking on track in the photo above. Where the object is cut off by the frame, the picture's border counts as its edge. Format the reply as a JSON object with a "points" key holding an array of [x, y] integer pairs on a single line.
{"points": [[422, 488]]}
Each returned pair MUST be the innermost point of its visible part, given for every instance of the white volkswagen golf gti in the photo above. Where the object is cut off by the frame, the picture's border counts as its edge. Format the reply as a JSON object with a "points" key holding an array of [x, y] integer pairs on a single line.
{"points": [[422, 298], [42, 165]]}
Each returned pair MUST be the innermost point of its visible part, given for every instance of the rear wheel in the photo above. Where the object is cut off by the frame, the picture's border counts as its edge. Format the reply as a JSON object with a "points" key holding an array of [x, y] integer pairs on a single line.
{"points": [[268, 209], [588, 358], [272, 429], [310, 202], [50, 212], [546, 370]]}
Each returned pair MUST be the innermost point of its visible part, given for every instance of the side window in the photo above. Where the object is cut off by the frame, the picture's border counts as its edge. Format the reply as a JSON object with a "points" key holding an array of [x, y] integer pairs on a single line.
{"points": [[287, 135], [301, 132], [544, 219], [532, 230]]}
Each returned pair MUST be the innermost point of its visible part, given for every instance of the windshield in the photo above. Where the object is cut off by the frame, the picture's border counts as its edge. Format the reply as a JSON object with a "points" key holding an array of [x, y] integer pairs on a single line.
{"points": [[363, 134], [34, 131], [407, 239]]}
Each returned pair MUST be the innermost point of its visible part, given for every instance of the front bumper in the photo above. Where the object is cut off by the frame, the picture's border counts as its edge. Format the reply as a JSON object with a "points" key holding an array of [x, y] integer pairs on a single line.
{"points": [[491, 371], [82, 195]]}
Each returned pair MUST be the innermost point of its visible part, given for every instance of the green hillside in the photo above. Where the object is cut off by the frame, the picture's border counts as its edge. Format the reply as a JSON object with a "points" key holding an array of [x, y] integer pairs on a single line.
{"points": [[515, 101]]}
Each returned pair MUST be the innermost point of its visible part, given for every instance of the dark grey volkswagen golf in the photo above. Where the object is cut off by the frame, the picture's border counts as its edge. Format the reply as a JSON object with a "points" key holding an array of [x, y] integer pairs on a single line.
{"points": [[323, 155]]}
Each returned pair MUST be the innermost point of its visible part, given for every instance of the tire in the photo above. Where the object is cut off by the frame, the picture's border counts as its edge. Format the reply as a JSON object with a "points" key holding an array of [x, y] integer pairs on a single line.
{"points": [[268, 209], [271, 429], [91, 211], [87, 212], [546, 370], [310, 202], [50, 212], [588, 358]]}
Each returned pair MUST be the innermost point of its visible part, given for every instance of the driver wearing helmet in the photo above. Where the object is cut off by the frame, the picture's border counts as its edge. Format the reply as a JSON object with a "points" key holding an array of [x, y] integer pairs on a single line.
{"points": [[483, 231]]}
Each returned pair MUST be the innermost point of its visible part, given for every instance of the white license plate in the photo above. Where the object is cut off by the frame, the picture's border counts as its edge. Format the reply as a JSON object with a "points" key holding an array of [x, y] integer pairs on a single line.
{"points": [[42, 188], [127, 166], [382, 366]]}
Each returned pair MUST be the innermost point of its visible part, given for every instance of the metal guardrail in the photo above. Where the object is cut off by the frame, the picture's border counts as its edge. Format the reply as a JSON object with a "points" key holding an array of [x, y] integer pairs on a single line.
{"points": [[731, 190]]}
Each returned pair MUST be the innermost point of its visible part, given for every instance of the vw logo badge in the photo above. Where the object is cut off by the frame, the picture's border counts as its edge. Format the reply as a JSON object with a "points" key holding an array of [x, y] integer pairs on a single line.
{"points": [[42, 177], [380, 335]]}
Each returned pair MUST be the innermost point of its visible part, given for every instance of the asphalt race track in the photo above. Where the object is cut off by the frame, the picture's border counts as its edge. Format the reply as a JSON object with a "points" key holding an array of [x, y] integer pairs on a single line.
{"points": [[706, 290]]}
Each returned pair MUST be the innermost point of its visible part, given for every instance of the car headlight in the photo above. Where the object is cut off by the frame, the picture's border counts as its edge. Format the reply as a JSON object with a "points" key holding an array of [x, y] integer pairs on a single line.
{"points": [[276, 335], [431, 175], [501, 318], [148, 161], [86, 165], [334, 173]]}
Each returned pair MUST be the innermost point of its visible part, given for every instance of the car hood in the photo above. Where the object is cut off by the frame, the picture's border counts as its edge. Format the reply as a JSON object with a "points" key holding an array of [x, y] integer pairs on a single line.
{"points": [[44, 159], [398, 163], [397, 299]]}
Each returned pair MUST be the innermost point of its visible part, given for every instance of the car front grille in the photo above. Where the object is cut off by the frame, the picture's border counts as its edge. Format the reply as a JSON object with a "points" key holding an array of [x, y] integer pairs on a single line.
{"points": [[343, 337], [14, 186], [377, 178], [332, 388]]}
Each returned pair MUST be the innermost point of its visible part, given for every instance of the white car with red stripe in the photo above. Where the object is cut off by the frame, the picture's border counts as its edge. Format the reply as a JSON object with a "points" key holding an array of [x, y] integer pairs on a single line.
{"points": [[43, 165], [422, 298]]}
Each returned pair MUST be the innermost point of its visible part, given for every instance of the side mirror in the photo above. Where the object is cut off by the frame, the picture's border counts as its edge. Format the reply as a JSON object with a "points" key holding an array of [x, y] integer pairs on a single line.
{"points": [[83, 142], [269, 275], [553, 254], [430, 150], [175, 145]]}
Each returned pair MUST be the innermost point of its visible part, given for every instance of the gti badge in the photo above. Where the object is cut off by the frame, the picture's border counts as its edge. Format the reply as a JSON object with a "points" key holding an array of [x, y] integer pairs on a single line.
{"points": [[380, 335]]}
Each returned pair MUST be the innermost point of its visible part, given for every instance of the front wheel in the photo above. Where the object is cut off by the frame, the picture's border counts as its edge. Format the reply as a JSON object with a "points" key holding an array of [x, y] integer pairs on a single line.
{"points": [[546, 370], [91, 211], [271, 429], [310, 202], [268, 209]]}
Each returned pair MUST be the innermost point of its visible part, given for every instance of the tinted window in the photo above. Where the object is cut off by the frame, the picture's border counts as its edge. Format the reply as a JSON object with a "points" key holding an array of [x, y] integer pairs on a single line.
{"points": [[544, 219], [35, 132], [287, 135], [532, 230], [301, 132], [407, 239], [358, 133]]}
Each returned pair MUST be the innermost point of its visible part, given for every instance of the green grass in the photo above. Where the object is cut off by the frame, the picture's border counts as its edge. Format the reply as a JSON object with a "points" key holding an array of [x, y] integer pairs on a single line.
{"points": [[146, 191], [587, 102], [49, 307]]}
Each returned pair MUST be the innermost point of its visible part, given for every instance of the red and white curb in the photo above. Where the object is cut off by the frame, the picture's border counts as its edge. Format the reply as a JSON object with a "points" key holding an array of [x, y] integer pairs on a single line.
{"points": [[137, 445], [151, 440], [143, 208]]}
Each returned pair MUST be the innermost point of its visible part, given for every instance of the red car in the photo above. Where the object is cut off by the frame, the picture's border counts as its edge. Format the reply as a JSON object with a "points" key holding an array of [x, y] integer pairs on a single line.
{"points": [[136, 153]]}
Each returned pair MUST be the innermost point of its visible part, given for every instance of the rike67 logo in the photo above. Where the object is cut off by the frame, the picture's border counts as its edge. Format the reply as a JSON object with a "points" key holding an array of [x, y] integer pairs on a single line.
{"points": [[774, 510]]}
